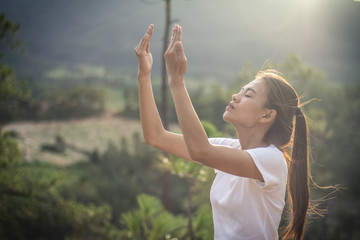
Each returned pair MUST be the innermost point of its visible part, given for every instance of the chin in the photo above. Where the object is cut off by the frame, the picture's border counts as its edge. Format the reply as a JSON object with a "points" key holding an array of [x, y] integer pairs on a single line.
{"points": [[225, 118]]}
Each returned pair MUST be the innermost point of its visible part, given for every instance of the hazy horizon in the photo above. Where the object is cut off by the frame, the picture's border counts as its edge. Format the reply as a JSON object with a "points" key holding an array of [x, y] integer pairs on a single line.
{"points": [[219, 36]]}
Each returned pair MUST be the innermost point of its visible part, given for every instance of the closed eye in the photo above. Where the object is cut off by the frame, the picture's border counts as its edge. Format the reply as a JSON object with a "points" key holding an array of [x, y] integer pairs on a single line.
{"points": [[251, 90]]}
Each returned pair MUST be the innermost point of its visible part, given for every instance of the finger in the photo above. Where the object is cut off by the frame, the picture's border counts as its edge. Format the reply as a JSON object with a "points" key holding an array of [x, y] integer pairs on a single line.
{"points": [[148, 37], [177, 33], [150, 29], [172, 40], [180, 33], [143, 42], [139, 46], [147, 45]]}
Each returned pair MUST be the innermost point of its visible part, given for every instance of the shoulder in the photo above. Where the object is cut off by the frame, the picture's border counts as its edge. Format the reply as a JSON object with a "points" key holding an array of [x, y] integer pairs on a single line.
{"points": [[269, 157], [269, 152], [231, 142], [271, 163]]}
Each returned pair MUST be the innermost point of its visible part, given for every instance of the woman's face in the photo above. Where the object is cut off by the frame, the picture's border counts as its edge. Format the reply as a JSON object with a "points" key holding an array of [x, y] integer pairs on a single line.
{"points": [[247, 106]]}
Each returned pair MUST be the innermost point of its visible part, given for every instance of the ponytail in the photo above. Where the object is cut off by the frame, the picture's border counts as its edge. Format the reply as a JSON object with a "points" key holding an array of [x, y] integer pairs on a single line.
{"points": [[283, 98], [298, 179]]}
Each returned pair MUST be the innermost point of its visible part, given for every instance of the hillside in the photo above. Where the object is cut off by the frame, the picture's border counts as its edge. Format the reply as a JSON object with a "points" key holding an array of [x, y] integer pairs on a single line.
{"points": [[85, 135]]}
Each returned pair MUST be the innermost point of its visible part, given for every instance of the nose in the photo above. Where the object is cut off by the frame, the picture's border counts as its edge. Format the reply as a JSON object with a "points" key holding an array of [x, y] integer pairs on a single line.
{"points": [[235, 97]]}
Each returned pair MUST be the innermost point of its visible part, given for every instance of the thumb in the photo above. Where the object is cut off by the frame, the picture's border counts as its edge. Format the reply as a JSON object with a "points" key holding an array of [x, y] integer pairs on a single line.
{"points": [[179, 48]]}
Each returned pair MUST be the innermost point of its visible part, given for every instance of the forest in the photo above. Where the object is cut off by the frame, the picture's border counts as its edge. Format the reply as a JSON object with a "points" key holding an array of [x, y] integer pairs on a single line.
{"points": [[128, 190]]}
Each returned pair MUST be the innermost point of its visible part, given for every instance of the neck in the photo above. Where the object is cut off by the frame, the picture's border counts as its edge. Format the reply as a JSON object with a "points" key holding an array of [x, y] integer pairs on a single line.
{"points": [[250, 137]]}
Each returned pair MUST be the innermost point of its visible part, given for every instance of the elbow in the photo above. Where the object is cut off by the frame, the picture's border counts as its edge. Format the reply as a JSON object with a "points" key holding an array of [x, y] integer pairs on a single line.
{"points": [[199, 154], [151, 141], [152, 137]]}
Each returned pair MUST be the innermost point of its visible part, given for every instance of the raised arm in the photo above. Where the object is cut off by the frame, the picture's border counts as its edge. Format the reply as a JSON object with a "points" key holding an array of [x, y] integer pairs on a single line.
{"points": [[150, 119], [224, 158], [153, 130]]}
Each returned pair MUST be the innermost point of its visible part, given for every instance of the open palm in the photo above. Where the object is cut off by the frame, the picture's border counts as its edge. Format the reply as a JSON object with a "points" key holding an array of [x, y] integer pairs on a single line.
{"points": [[143, 54], [174, 56]]}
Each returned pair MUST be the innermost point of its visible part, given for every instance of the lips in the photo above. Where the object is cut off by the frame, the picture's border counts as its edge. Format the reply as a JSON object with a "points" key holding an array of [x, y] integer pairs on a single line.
{"points": [[230, 106]]}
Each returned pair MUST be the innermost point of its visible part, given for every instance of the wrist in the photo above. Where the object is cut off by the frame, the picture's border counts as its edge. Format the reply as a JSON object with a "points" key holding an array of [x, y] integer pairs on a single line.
{"points": [[176, 81], [144, 75]]}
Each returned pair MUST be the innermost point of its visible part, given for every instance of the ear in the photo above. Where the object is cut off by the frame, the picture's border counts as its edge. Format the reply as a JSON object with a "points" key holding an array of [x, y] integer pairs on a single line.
{"points": [[269, 116]]}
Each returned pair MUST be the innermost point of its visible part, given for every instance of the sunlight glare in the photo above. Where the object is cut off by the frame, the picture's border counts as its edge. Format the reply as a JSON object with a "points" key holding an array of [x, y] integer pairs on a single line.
{"points": [[308, 4]]}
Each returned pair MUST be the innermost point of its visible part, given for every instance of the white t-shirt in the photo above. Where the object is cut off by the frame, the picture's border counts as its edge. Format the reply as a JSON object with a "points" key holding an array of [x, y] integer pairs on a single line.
{"points": [[246, 208]]}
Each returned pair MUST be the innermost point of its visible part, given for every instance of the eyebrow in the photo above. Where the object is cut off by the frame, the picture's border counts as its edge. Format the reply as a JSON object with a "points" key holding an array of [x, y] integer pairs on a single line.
{"points": [[251, 89], [248, 89]]}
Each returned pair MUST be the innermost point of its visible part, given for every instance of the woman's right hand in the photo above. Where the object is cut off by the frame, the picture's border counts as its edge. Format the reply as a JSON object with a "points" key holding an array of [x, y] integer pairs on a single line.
{"points": [[143, 54]]}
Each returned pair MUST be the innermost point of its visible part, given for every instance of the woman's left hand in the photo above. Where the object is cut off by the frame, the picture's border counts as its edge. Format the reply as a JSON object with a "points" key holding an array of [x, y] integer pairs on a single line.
{"points": [[175, 58]]}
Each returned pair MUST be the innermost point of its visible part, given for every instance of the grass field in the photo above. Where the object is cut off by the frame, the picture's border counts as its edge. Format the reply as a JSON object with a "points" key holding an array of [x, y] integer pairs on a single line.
{"points": [[86, 134]]}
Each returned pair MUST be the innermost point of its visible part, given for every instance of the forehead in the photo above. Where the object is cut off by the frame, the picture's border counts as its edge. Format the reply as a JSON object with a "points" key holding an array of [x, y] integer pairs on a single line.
{"points": [[258, 85]]}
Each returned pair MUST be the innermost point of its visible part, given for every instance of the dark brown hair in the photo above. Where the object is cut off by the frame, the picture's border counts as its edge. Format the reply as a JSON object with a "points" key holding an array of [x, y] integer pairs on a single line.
{"points": [[289, 131]]}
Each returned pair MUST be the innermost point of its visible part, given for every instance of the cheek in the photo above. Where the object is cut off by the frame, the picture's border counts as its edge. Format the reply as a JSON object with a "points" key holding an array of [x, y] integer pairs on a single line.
{"points": [[244, 118]]}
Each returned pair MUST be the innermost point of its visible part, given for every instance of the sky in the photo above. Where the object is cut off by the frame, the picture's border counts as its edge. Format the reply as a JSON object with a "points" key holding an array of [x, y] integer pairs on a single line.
{"points": [[98, 37]]}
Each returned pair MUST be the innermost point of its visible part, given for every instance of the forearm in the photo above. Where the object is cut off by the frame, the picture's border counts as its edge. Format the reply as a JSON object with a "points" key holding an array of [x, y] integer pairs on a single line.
{"points": [[194, 134], [150, 120]]}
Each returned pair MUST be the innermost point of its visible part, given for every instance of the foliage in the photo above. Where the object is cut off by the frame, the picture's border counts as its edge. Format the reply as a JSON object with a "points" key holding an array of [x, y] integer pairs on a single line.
{"points": [[15, 101], [10, 154], [196, 174], [14, 94], [203, 223], [31, 208], [131, 100], [58, 147], [8, 31], [210, 102], [114, 177], [187, 169], [151, 221], [81, 101]]}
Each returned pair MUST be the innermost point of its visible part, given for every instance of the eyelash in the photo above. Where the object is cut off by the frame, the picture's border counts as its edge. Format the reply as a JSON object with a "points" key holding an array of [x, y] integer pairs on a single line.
{"points": [[242, 90]]}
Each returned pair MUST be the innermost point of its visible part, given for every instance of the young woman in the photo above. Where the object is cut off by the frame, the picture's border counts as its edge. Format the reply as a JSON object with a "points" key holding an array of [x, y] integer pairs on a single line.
{"points": [[248, 193]]}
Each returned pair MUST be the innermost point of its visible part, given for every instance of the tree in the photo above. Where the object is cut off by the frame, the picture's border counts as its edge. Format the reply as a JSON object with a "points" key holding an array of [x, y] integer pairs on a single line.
{"points": [[151, 221], [8, 31], [195, 174], [81, 101], [12, 90], [31, 208]]}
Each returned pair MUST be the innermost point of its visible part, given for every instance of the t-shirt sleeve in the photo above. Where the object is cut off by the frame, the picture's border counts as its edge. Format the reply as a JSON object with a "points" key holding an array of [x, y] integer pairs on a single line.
{"points": [[271, 164], [218, 141], [225, 142]]}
